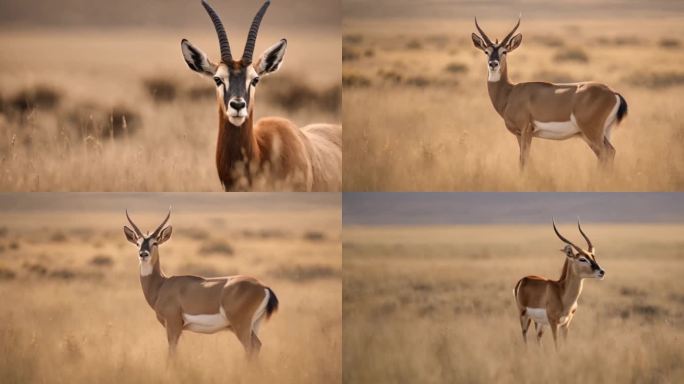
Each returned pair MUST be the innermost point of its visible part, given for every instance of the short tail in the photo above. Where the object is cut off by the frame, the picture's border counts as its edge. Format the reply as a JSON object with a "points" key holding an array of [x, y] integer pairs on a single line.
{"points": [[272, 304], [622, 108]]}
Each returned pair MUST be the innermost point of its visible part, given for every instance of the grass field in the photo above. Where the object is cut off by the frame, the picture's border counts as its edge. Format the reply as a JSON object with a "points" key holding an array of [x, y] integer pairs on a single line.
{"points": [[435, 305], [76, 312], [117, 109], [418, 115]]}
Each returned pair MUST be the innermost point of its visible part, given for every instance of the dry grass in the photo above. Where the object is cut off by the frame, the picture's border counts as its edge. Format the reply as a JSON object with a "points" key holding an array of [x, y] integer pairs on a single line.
{"points": [[435, 305], [78, 312], [417, 122], [119, 110]]}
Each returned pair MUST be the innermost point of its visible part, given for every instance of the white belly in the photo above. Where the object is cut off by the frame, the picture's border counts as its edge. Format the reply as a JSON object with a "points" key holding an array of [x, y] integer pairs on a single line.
{"points": [[556, 130], [205, 323], [538, 315]]}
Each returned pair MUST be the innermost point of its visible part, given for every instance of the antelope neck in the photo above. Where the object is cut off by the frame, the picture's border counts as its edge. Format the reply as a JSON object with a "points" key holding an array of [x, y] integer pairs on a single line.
{"points": [[236, 149], [500, 90], [152, 282], [571, 285]]}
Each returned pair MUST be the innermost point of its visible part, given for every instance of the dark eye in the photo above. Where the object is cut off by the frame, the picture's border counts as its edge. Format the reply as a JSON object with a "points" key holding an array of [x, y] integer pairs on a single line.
{"points": [[218, 81], [255, 81], [584, 260]]}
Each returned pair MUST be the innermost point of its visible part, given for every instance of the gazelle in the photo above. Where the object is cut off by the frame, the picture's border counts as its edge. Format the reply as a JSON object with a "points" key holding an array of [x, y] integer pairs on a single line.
{"points": [[554, 302], [198, 304], [275, 149], [550, 111]]}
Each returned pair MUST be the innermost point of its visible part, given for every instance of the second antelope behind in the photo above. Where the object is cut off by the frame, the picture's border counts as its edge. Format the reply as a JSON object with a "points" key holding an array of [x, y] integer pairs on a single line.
{"points": [[553, 303], [204, 305], [273, 152]]}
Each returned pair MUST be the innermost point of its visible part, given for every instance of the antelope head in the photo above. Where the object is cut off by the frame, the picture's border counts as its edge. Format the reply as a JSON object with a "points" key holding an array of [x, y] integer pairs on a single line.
{"points": [[582, 261], [148, 254], [496, 52], [235, 80]]}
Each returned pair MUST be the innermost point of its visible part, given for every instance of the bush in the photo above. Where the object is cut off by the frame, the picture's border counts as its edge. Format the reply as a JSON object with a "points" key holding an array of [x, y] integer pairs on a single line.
{"points": [[572, 54], [216, 248], [41, 97], [456, 68], [161, 90]]}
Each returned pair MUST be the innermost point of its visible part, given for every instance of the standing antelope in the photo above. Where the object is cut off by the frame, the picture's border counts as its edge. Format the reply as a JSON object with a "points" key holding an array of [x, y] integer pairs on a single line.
{"points": [[550, 111], [308, 159], [198, 304], [554, 303]]}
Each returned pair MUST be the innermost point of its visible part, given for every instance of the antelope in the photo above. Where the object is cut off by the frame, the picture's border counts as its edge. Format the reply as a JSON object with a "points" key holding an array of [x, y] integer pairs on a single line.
{"points": [[308, 159], [198, 304], [554, 302], [550, 111]]}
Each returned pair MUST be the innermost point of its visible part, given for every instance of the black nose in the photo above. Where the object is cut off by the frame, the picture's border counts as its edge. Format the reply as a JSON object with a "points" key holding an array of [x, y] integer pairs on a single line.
{"points": [[237, 105], [493, 64], [144, 254], [602, 272]]}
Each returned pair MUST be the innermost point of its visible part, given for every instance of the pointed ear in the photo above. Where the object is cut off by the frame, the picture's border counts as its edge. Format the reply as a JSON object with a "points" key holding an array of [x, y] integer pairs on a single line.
{"points": [[478, 42], [164, 235], [271, 59], [197, 60], [130, 235], [568, 252], [514, 42]]}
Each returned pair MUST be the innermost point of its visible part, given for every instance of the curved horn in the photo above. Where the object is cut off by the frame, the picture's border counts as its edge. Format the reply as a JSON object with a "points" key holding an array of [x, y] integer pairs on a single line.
{"points": [[135, 227], [510, 34], [226, 56], [591, 246], [566, 241], [484, 35], [253, 31], [159, 228]]}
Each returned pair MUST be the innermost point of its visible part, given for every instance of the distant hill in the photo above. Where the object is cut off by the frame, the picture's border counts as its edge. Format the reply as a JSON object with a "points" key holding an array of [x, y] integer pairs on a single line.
{"points": [[507, 208], [455, 9], [164, 13]]}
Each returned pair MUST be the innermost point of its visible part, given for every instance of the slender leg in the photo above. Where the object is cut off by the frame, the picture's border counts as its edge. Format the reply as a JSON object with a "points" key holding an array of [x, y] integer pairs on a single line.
{"points": [[525, 324], [564, 332], [554, 332], [244, 334], [174, 328], [609, 152], [540, 332]]}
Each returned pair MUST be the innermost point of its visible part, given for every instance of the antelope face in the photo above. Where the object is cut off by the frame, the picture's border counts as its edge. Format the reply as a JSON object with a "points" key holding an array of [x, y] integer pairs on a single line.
{"points": [[496, 52], [584, 264], [148, 254], [235, 80]]}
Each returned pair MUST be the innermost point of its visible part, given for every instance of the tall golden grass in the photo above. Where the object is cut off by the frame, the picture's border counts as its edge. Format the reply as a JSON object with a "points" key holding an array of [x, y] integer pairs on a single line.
{"points": [[75, 310], [417, 114], [435, 305], [118, 109]]}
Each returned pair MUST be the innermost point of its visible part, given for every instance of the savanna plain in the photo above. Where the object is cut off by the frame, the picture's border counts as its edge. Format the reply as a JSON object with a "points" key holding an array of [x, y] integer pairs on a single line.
{"points": [[417, 111], [436, 305], [78, 314], [102, 100]]}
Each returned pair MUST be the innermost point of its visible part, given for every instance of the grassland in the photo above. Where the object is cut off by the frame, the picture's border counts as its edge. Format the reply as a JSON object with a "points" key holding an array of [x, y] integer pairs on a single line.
{"points": [[76, 313], [418, 116], [435, 305], [117, 109]]}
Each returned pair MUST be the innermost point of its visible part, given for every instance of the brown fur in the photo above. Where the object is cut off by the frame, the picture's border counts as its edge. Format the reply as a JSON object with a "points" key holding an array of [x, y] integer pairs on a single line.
{"points": [[521, 104], [170, 297]]}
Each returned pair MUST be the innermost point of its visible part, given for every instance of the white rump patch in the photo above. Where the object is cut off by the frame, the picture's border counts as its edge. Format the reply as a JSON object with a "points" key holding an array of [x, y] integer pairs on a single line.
{"points": [[259, 313], [556, 130], [611, 119], [206, 323], [538, 315]]}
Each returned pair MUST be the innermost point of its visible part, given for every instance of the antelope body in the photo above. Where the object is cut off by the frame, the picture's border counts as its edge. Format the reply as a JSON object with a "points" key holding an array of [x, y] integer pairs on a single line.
{"points": [[272, 151], [198, 304], [589, 110], [553, 303]]}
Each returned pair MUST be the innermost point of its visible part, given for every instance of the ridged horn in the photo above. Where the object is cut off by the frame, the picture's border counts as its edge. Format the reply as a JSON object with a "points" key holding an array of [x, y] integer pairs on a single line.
{"points": [[253, 31], [482, 34], [226, 56], [135, 227], [510, 34], [159, 228], [589, 244]]}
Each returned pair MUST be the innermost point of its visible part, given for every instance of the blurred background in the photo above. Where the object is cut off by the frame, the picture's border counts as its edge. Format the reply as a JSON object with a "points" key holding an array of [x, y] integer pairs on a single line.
{"points": [[79, 315], [417, 111], [96, 96], [438, 272]]}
